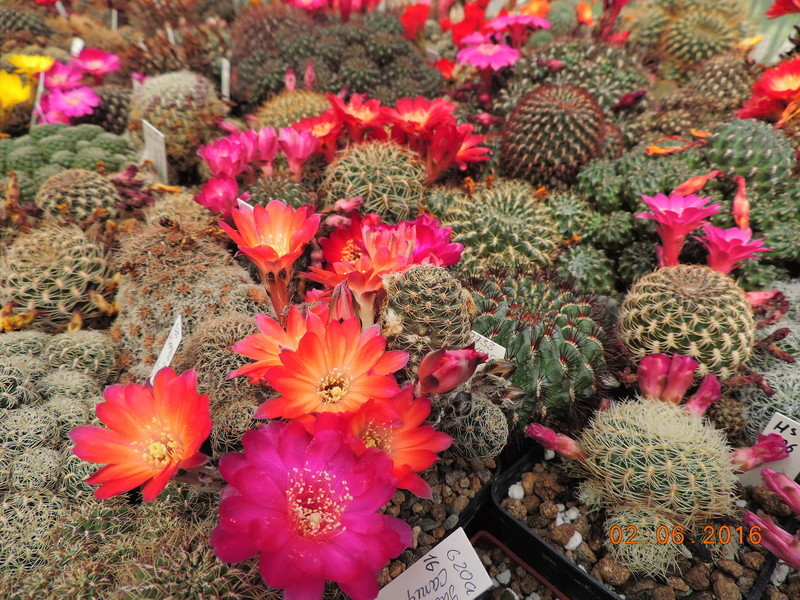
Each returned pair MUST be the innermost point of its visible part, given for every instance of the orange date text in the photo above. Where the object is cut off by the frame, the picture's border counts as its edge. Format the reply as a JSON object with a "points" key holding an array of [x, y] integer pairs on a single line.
{"points": [[722, 534]]}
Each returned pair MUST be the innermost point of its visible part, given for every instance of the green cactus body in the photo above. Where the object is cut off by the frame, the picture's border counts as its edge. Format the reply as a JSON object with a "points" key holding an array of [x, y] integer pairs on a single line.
{"points": [[282, 188], [81, 192], [389, 177], [18, 20], [570, 212], [22, 343], [690, 310], [553, 132], [25, 158], [784, 379], [55, 143], [426, 309], [112, 114], [649, 555], [590, 267], [499, 225], [481, 434]]}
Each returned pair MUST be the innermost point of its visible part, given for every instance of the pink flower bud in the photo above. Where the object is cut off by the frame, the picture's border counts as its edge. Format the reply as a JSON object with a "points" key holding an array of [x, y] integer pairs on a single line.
{"points": [[778, 541], [343, 305], [768, 448], [664, 378], [338, 221], [349, 204], [787, 489], [756, 299], [652, 375], [741, 205], [706, 394], [290, 80], [443, 370], [563, 445], [310, 75]]}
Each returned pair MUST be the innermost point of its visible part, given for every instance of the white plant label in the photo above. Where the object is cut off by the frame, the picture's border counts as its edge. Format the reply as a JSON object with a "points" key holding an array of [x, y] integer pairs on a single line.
{"points": [[451, 571], [76, 46], [170, 34], [225, 78], [114, 19], [789, 430], [170, 347], [487, 346], [36, 100], [62, 11], [155, 149]]}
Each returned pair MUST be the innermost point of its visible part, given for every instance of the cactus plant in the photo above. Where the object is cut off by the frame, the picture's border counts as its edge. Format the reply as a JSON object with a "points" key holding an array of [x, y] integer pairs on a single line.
{"points": [[38, 468], [112, 114], [14, 19], [22, 343], [28, 427], [78, 193], [481, 434], [90, 352], [279, 187], [15, 388], [28, 517], [690, 310], [590, 268], [291, 106], [71, 383], [784, 379]]}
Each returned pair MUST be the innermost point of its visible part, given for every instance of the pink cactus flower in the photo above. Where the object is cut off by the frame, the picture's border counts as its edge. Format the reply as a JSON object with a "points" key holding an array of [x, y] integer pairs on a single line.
{"points": [[433, 242], [518, 27], [787, 489], [676, 216], [727, 248], [76, 102], [309, 507], [768, 448], [758, 299], [667, 379], [444, 370], [297, 145], [219, 195], [226, 157], [488, 56], [62, 77], [778, 541], [705, 396], [96, 62], [266, 149], [563, 445], [348, 204]]}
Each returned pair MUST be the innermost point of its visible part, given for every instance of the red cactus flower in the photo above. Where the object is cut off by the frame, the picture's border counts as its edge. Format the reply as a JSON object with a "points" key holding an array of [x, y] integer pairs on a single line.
{"points": [[783, 7], [413, 20]]}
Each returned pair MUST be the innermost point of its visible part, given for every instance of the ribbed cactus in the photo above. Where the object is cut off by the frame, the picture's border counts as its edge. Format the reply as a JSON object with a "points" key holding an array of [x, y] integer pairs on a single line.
{"points": [[22, 343], [279, 187], [28, 427], [727, 415], [426, 309], [589, 267], [230, 422], [15, 19], [570, 212], [500, 224], [15, 388], [29, 517], [549, 334], [78, 193], [690, 310], [70, 383], [288, 107], [112, 114], [389, 177], [91, 352], [553, 132], [39, 468], [481, 434], [52, 270]]}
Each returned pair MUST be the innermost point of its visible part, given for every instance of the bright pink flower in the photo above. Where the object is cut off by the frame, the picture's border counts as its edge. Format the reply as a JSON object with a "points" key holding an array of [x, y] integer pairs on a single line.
{"points": [[433, 242], [787, 489], [667, 379], [489, 56], [309, 5], [96, 62], [226, 157], [563, 445], [347, 205], [727, 248], [677, 216], [757, 299], [62, 77], [518, 26], [778, 541], [218, 195], [705, 396], [265, 148], [297, 145], [47, 114], [76, 102], [444, 370], [309, 507], [768, 448]]}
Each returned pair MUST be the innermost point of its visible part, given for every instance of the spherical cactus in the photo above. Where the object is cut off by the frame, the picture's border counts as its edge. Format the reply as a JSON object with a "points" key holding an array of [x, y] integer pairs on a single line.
{"points": [[636, 260], [690, 310], [230, 422], [260, 27], [29, 427], [589, 267], [15, 388], [28, 517], [570, 212], [389, 177], [25, 158], [21, 343], [52, 270], [655, 454], [78, 193], [32, 367], [112, 114], [70, 412], [727, 415], [71, 383], [91, 352], [55, 143], [289, 107], [481, 434], [553, 132], [39, 468], [426, 309], [16, 19], [279, 187], [500, 224], [784, 379], [647, 554], [753, 149], [75, 473], [181, 105]]}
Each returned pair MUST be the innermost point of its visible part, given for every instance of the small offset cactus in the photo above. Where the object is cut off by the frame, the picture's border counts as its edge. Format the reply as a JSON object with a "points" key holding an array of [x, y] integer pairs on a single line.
{"points": [[590, 268], [15, 388], [690, 310], [29, 427], [481, 434], [91, 352], [23, 343], [230, 422], [39, 468], [70, 383], [649, 555], [78, 193]]}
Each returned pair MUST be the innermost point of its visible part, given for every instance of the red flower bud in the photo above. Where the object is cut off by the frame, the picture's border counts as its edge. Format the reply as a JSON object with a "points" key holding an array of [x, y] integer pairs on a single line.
{"points": [[443, 370]]}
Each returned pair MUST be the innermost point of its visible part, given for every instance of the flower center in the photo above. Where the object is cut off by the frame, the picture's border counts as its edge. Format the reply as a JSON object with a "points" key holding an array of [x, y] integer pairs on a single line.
{"points": [[333, 387], [489, 49], [376, 435], [279, 242], [350, 252], [316, 502], [160, 448]]}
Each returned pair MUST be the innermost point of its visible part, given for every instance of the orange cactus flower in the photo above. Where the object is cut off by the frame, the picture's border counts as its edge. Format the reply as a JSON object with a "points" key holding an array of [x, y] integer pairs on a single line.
{"points": [[337, 370], [536, 8], [154, 431], [273, 237], [584, 12], [696, 183]]}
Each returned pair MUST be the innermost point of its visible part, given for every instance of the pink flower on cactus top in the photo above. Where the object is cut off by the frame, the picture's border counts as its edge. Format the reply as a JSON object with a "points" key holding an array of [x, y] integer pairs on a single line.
{"points": [[218, 195], [75, 102], [309, 507], [563, 445], [226, 157], [489, 56], [62, 77], [727, 248], [518, 26], [676, 216], [96, 62], [297, 145], [778, 541], [309, 5], [665, 378], [768, 448]]}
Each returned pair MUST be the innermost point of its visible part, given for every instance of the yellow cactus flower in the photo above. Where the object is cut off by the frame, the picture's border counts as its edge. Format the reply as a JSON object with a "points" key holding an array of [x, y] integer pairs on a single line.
{"points": [[12, 90], [30, 64]]}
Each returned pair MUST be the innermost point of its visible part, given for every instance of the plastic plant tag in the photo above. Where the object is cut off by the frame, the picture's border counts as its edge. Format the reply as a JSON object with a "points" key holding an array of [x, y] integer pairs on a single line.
{"points": [[170, 34], [62, 11], [36, 112], [114, 19], [451, 570], [155, 149], [169, 348], [76, 46], [487, 346], [789, 430], [225, 78]]}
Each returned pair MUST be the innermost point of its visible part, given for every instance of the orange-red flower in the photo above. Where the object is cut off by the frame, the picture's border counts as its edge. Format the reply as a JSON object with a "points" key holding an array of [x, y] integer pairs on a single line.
{"points": [[327, 128], [782, 82], [336, 370], [414, 117], [395, 427], [359, 115], [154, 431], [783, 7], [273, 238]]}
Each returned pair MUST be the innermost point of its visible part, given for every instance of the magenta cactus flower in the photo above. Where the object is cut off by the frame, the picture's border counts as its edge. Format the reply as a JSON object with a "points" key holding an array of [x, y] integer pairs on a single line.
{"points": [[727, 248], [667, 379], [778, 541], [676, 216], [517, 26], [708, 393], [488, 56], [97, 63], [444, 370], [297, 145], [219, 195], [226, 157], [768, 448], [76, 102], [563, 445], [788, 490], [62, 77], [266, 148]]}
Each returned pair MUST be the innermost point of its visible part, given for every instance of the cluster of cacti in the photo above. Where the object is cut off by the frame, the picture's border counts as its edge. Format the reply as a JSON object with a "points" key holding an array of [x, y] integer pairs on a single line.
{"points": [[501, 224], [18, 20], [184, 107], [54, 147]]}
